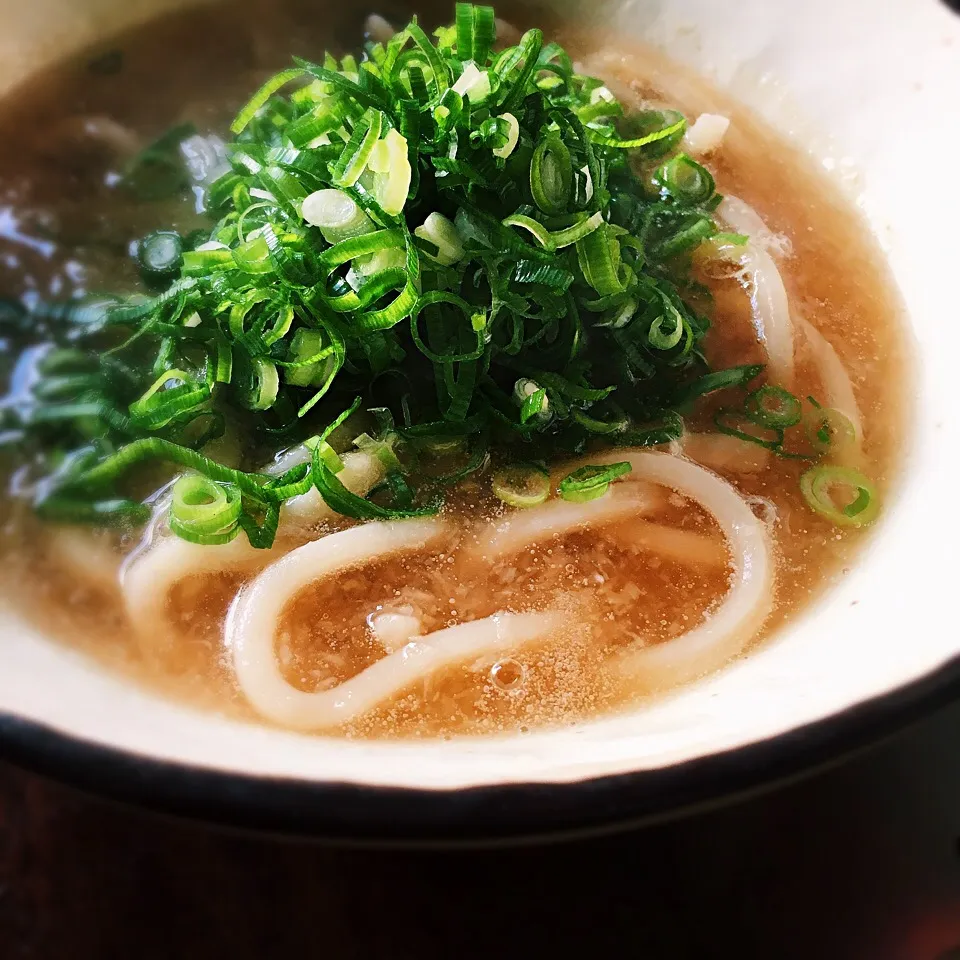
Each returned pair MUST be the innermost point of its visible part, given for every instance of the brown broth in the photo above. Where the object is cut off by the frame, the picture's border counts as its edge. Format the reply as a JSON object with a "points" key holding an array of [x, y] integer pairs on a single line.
{"points": [[56, 192]]}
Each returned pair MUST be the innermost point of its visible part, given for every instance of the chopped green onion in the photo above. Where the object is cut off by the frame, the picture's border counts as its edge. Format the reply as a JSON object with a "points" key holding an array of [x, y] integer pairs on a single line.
{"points": [[667, 330], [356, 154], [582, 227], [312, 359], [686, 181], [551, 176], [259, 99], [491, 200], [830, 431], [253, 256], [533, 400], [199, 262], [772, 406], [391, 184], [205, 512], [473, 84], [172, 393], [450, 336], [600, 426], [442, 233], [160, 256], [475, 31], [591, 483], [683, 236], [382, 450], [665, 135], [522, 485], [540, 233], [818, 485], [337, 215], [348, 504], [264, 383], [717, 380], [739, 425], [598, 254], [513, 135], [535, 406]]}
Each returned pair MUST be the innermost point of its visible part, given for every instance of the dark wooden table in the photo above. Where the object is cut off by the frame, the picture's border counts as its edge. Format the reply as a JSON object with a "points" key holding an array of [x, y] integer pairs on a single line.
{"points": [[859, 862]]}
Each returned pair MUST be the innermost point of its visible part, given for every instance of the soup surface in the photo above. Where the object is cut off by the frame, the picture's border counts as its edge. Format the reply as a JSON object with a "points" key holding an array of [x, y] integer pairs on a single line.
{"points": [[568, 591]]}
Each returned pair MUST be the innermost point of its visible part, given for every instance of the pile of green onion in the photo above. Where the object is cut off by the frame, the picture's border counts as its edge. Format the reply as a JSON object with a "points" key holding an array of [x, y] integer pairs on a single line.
{"points": [[477, 252]]}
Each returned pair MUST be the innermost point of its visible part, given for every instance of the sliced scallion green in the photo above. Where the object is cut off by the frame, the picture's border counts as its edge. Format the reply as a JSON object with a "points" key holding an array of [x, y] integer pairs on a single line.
{"points": [[733, 423], [772, 406], [160, 256], [829, 431], [512, 136], [686, 181], [490, 199], [337, 215], [203, 511], [356, 154], [820, 487], [591, 482], [521, 485], [443, 234], [551, 176]]}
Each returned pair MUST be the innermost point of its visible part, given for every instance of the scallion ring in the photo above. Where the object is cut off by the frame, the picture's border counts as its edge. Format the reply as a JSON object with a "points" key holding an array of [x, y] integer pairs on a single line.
{"points": [[454, 333], [772, 406], [551, 176], [830, 431], [818, 485], [598, 254], [443, 234], [664, 337], [522, 485], [160, 256], [263, 385], [734, 423], [591, 483], [337, 215], [356, 154], [205, 512], [686, 181]]}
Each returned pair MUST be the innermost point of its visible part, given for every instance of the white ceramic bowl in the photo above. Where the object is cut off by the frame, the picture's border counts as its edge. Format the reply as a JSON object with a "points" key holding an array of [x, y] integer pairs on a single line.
{"points": [[872, 86]]}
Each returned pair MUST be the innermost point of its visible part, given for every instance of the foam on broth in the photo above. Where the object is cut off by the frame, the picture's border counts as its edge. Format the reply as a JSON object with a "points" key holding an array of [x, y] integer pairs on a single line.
{"points": [[70, 127]]}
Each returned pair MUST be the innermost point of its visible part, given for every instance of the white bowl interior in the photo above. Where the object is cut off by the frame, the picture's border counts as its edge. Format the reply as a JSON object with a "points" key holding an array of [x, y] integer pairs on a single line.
{"points": [[870, 86]]}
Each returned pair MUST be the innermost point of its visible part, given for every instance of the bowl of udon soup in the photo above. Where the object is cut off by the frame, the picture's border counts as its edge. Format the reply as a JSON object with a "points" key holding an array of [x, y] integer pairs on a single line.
{"points": [[456, 422]]}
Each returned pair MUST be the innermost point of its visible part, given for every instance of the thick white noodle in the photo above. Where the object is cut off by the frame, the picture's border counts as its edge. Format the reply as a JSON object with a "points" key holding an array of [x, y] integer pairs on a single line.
{"points": [[525, 528], [706, 134], [837, 388], [744, 219], [85, 557], [361, 473], [150, 576], [724, 453], [252, 626], [768, 296], [674, 543], [730, 627]]}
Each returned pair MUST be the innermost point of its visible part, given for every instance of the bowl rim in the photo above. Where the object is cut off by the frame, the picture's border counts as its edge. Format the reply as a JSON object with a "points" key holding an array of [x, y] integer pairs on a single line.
{"points": [[508, 812], [354, 814]]}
